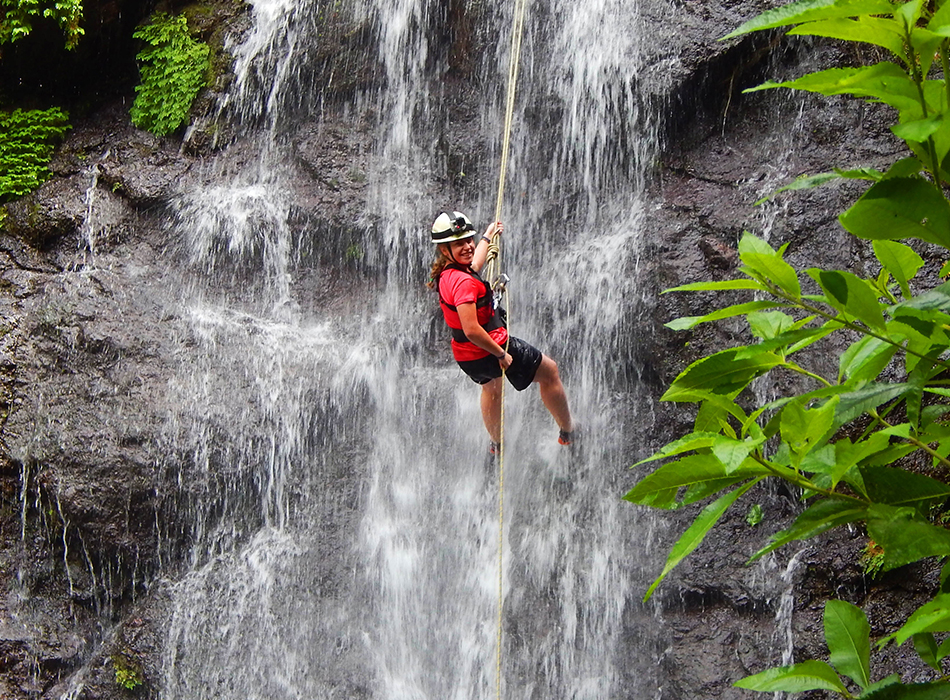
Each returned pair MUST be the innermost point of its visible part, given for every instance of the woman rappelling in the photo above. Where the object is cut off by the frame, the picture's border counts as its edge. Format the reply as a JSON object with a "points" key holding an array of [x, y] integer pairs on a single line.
{"points": [[480, 341]]}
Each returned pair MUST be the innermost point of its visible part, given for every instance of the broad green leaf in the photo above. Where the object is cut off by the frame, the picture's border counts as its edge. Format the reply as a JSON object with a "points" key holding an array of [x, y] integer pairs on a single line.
{"points": [[900, 487], [901, 261], [924, 134], [820, 517], [847, 633], [724, 373], [936, 299], [733, 453], [687, 322], [880, 31], [717, 286], [941, 19], [912, 691], [810, 11], [848, 455], [885, 82], [905, 167], [906, 207], [868, 398], [909, 13], [931, 617], [890, 680], [927, 650], [866, 359], [851, 295], [769, 324], [808, 675], [686, 472], [803, 428], [771, 267], [905, 536], [696, 532], [919, 129]]}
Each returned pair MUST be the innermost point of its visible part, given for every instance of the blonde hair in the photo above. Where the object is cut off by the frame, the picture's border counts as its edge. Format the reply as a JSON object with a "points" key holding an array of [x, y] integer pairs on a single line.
{"points": [[439, 264]]}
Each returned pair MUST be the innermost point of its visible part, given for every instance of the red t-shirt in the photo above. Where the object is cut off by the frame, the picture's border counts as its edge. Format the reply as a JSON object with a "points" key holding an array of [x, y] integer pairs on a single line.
{"points": [[457, 288]]}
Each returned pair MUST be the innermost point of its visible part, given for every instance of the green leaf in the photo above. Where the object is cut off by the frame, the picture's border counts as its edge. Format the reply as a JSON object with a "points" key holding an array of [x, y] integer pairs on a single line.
{"points": [[851, 295], [936, 299], [696, 532], [901, 207], [724, 373], [884, 32], [847, 634], [931, 617], [905, 536], [898, 487], [763, 260], [911, 691], [804, 182], [687, 322], [885, 82], [733, 453], [868, 398], [717, 286], [688, 443], [927, 650], [770, 324], [816, 519], [866, 359], [694, 470], [809, 11], [901, 261], [803, 428], [808, 675]]}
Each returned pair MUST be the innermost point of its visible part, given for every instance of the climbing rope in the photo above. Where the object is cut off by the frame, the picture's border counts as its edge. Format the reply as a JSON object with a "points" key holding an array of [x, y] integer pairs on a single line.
{"points": [[497, 280]]}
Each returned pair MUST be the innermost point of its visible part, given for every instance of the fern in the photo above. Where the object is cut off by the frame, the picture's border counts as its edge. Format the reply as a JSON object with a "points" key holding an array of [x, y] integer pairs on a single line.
{"points": [[16, 18], [27, 142], [173, 69]]}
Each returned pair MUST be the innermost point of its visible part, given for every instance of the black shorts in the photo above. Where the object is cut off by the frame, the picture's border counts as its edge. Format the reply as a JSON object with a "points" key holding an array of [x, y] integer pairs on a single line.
{"points": [[525, 360]]}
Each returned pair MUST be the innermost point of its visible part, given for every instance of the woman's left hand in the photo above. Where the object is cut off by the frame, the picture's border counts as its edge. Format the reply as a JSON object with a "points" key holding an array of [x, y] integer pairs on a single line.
{"points": [[495, 228]]}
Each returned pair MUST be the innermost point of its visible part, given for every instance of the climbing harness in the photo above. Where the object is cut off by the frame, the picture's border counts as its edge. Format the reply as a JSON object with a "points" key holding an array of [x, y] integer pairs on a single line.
{"points": [[499, 282]]}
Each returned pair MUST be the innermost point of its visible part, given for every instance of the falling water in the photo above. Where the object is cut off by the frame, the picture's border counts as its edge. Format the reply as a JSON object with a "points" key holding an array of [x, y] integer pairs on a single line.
{"points": [[340, 524]]}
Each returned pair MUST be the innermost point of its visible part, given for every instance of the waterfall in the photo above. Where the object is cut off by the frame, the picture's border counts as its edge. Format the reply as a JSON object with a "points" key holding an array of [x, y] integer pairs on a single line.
{"points": [[339, 524]]}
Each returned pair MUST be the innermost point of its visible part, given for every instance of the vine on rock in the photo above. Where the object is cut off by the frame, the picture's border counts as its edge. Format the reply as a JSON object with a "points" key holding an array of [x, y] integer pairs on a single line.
{"points": [[871, 444], [173, 69]]}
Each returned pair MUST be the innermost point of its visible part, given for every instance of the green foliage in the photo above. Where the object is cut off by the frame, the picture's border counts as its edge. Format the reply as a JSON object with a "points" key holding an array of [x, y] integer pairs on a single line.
{"points": [[16, 18], [870, 443], [174, 68], [27, 142], [128, 674], [872, 559]]}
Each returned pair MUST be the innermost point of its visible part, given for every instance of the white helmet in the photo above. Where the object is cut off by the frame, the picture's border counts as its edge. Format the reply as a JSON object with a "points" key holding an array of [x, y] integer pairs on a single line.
{"points": [[452, 228]]}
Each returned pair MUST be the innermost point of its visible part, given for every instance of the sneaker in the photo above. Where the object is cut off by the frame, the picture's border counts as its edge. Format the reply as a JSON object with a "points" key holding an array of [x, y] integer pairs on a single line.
{"points": [[493, 449], [565, 438]]}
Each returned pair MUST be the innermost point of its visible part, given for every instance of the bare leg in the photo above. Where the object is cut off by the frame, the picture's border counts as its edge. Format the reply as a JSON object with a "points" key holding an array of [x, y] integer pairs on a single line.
{"points": [[491, 408], [552, 393]]}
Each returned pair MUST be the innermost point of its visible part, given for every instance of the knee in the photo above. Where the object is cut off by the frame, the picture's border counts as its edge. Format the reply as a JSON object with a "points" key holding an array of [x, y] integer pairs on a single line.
{"points": [[547, 371]]}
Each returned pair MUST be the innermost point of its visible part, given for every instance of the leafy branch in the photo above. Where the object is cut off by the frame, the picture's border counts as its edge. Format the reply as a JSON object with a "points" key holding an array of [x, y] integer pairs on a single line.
{"points": [[871, 446]]}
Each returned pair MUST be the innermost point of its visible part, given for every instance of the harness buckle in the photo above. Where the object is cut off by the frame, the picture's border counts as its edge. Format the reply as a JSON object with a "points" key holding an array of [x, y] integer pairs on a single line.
{"points": [[500, 283]]}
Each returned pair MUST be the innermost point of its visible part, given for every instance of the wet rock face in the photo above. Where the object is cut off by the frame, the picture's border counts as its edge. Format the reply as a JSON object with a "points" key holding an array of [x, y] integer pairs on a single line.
{"points": [[87, 520]]}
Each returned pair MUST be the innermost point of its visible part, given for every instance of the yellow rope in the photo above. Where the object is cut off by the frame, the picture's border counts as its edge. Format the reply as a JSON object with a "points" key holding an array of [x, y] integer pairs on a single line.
{"points": [[494, 269]]}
